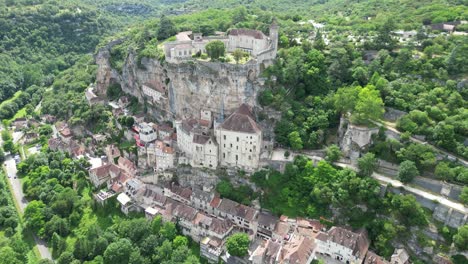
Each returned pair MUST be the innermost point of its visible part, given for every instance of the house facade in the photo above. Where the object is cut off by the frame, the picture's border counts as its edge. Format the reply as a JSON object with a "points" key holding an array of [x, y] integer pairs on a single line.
{"points": [[240, 140]]}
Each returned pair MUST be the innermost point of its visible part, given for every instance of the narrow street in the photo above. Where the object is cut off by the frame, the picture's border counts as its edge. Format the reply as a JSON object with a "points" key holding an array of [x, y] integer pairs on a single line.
{"points": [[18, 195]]}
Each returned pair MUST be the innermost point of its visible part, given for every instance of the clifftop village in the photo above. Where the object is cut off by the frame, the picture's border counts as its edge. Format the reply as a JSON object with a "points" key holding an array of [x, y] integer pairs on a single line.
{"points": [[142, 181]]}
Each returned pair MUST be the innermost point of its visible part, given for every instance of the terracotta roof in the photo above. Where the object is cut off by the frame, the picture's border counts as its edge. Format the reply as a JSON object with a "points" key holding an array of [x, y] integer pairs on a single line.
{"points": [[247, 32], [185, 212], [372, 258], [234, 208], [185, 193], [220, 226], [66, 132], [242, 120], [155, 86], [282, 229], [116, 187], [101, 172], [126, 162], [298, 250], [215, 202]]}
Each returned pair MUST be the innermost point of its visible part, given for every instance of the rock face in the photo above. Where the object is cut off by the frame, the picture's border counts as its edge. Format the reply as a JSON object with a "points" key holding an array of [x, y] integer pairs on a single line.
{"points": [[190, 86]]}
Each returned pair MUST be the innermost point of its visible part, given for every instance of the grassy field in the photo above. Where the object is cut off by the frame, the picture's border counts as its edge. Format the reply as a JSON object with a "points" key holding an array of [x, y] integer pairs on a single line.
{"points": [[11, 99]]}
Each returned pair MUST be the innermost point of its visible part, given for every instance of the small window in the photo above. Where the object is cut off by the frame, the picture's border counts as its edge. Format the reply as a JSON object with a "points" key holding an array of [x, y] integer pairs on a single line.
{"points": [[224, 155], [237, 139], [224, 137], [237, 158], [231, 145]]}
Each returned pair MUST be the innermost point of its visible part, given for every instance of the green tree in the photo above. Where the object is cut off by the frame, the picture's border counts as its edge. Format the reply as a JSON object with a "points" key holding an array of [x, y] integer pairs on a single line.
{"points": [[333, 153], [461, 238], [238, 244], [180, 241], [215, 49], [240, 15], [34, 216], [238, 55], [409, 210], [2, 156], [169, 231], [9, 256], [319, 43], [156, 224], [118, 252], [385, 39], [295, 140], [464, 195], [407, 171], [345, 99], [166, 28], [369, 105], [367, 164]]}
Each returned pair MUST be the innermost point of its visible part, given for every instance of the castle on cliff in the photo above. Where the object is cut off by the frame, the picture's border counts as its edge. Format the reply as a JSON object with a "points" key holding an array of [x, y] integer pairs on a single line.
{"points": [[258, 45]]}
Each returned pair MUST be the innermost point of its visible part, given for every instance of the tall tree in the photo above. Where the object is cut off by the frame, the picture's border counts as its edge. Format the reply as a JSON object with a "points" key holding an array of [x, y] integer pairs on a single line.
{"points": [[367, 164], [166, 28], [407, 171], [215, 49], [238, 244], [369, 105], [385, 39]]}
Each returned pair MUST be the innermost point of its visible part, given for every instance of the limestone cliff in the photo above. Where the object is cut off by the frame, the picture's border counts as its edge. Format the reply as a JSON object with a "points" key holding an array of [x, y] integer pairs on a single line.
{"points": [[189, 86]]}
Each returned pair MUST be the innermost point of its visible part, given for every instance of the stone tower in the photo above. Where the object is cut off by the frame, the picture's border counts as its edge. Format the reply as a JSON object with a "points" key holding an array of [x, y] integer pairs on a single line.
{"points": [[274, 34]]}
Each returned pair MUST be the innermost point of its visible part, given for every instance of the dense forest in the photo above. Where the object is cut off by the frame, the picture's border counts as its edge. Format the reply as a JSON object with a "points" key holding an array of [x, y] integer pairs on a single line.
{"points": [[63, 212]]}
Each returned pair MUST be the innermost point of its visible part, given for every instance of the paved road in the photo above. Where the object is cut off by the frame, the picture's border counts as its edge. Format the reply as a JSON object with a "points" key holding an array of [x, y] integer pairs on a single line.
{"points": [[278, 156], [442, 200], [22, 202]]}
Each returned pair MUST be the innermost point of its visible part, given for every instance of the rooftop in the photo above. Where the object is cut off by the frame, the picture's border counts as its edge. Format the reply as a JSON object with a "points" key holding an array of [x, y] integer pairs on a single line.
{"points": [[242, 120], [247, 32]]}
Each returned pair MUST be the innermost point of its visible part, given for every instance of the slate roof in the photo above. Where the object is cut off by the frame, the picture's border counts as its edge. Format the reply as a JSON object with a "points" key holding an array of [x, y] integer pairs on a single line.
{"points": [[268, 220], [242, 120], [200, 139], [247, 32]]}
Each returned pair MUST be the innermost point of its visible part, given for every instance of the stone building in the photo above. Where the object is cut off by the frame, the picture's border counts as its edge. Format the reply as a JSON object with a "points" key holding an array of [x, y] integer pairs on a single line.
{"points": [[240, 140], [254, 42], [195, 141], [343, 245]]}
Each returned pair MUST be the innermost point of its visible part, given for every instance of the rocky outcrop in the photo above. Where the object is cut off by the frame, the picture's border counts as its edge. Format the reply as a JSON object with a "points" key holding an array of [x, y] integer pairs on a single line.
{"points": [[189, 86]]}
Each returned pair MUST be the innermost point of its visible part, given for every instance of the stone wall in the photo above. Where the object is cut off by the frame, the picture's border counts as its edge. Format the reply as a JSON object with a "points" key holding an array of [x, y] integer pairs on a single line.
{"points": [[442, 213]]}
